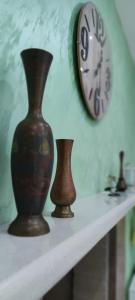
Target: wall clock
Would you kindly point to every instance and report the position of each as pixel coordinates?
(94, 60)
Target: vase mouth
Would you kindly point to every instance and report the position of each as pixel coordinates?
(65, 140)
(36, 51)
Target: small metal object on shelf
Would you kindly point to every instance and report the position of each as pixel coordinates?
(112, 186)
(121, 184)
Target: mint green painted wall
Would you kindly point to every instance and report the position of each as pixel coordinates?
(49, 25)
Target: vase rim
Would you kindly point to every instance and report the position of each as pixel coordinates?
(70, 140)
(36, 50)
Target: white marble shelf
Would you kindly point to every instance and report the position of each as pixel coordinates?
(29, 267)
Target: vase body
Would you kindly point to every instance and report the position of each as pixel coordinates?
(32, 151)
(121, 184)
(63, 192)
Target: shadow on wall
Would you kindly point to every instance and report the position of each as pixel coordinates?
(7, 108)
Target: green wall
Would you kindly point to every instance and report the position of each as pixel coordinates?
(50, 25)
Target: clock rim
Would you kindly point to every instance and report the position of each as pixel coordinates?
(100, 117)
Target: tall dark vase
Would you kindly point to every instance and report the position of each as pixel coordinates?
(63, 192)
(32, 151)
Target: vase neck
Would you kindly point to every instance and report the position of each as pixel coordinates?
(121, 156)
(36, 64)
(64, 149)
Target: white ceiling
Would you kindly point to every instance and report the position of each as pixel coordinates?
(126, 11)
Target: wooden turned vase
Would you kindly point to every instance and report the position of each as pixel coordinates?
(63, 192)
(32, 151)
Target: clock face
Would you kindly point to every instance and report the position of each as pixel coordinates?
(94, 60)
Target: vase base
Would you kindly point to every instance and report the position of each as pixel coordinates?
(62, 212)
(28, 226)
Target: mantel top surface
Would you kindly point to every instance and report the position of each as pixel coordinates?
(29, 267)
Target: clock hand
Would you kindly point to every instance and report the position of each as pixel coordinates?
(86, 71)
(98, 65)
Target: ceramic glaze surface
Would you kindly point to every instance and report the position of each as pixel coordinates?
(50, 25)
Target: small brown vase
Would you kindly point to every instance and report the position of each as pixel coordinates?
(121, 185)
(63, 192)
(32, 151)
